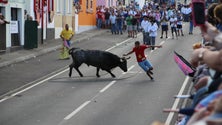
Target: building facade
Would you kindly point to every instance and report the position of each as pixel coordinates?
(56, 13)
(63, 14)
(12, 35)
(86, 17)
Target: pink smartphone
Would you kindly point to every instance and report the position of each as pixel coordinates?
(198, 12)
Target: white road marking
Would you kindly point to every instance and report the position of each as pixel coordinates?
(6, 98)
(118, 44)
(77, 110)
(162, 42)
(176, 102)
(106, 87)
(134, 72)
(38, 83)
(168, 38)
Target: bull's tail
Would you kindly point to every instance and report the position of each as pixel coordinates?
(72, 50)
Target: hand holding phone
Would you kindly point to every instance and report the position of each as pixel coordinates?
(198, 12)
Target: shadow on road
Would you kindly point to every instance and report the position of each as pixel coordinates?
(85, 79)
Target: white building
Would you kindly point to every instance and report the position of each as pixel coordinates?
(12, 35)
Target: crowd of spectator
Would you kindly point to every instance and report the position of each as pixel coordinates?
(148, 20)
(206, 98)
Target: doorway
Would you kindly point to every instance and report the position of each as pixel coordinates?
(15, 36)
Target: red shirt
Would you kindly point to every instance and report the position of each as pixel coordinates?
(140, 56)
(99, 14)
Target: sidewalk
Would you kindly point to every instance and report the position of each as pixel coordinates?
(48, 46)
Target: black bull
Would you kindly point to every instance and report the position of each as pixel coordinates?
(97, 58)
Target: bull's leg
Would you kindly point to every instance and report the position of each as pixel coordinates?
(77, 69)
(111, 73)
(76, 66)
(97, 72)
(70, 69)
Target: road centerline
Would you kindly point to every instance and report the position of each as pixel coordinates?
(77, 110)
(176, 102)
(106, 87)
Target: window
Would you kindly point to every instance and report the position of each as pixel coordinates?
(91, 4)
(87, 4)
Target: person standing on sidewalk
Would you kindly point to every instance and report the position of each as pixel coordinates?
(129, 25)
(141, 58)
(99, 14)
(145, 24)
(66, 36)
(107, 22)
(164, 26)
(173, 24)
(119, 23)
(152, 29)
(112, 19)
(134, 27)
(180, 24)
(191, 25)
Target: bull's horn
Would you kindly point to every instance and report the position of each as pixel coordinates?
(125, 58)
(128, 57)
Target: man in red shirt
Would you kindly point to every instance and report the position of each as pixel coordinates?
(99, 18)
(141, 58)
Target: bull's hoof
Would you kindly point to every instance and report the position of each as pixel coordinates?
(81, 75)
(98, 76)
(113, 76)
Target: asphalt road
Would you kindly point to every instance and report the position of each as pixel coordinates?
(129, 99)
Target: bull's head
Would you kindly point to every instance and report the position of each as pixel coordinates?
(123, 63)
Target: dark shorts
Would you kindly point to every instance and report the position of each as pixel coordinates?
(164, 27)
(173, 29)
(179, 26)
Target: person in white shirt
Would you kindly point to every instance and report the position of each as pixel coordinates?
(186, 11)
(132, 12)
(180, 24)
(173, 25)
(152, 29)
(145, 24)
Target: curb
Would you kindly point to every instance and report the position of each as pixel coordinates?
(45, 51)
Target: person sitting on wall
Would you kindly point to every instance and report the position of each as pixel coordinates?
(2, 20)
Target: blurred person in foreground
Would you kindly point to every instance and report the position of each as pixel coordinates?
(210, 115)
(212, 58)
